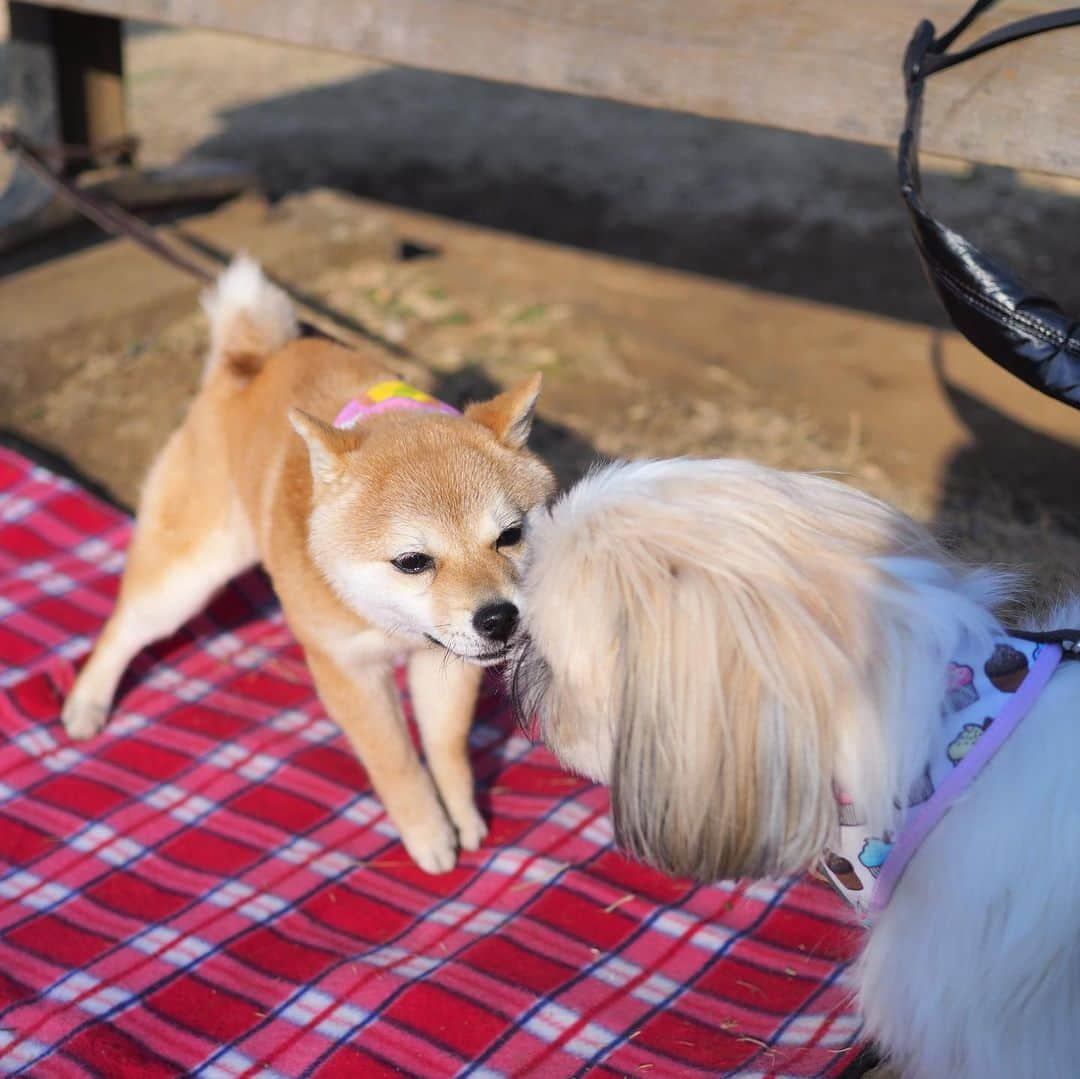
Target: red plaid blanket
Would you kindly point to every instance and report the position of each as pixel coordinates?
(210, 887)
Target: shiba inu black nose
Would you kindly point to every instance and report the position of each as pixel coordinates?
(496, 621)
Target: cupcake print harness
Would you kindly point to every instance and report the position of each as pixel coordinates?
(985, 700)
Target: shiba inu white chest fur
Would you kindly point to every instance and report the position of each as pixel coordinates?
(401, 534)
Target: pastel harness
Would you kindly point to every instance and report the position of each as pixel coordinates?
(390, 396)
(986, 699)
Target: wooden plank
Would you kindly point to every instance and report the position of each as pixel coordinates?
(828, 67)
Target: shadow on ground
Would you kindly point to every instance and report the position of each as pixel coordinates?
(809, 217)
(1029, 476)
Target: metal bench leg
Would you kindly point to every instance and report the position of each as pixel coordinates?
(67, 86)
(28, 205)
(89, 52)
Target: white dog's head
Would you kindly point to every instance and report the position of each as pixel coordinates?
(698, 635)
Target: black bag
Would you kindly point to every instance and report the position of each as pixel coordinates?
(1024, 331)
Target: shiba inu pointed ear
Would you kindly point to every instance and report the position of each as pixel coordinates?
(509, 415)
(326, 445)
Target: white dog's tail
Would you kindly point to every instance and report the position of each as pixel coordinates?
(250, 319)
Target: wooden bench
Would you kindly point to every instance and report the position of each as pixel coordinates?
(826, 67)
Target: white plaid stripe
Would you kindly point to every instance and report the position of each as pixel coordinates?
(656, 988)
(56, 584)
(616, 972)
(22, 1055)
(231, 1064)
(341, 1020)
(299, 851)
(259, 766)
(62, 760)
(192, 689)
(229, 893)
(306, 1007)
(106, 844)
(263, 907)
(94, 549)
(18, 884)
(551, 1021)
(590, 1040)
(363, 811)
(47, 894)
(333, 863)
(74, 647)
(289, 720)
(35, 742)
(320, 730)
(15, 508)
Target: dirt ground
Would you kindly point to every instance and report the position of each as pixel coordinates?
(763, 298)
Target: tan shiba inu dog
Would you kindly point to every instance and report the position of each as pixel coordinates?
(400, 534)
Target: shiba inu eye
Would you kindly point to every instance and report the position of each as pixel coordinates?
(413, 562)
(508, 537)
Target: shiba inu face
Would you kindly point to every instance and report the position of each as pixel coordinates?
(418, 522)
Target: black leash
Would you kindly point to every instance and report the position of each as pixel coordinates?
(106, 214)
(1067, 639)
(115, 220)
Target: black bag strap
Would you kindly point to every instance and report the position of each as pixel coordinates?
(1023, 330)
(1003, 35)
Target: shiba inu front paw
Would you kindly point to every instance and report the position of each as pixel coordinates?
(83, 719)
(433, 849)
(471, 829)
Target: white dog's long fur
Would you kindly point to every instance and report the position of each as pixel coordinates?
(724, 642)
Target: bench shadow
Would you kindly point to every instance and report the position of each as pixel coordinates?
(1030, 475)
(805, 216)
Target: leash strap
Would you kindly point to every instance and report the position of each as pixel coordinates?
(939, 60)
(114, 219)
(1067, 639)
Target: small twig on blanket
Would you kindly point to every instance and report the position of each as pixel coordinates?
(612, 907)
(764, 1046)
(290, 672)
(748, 985)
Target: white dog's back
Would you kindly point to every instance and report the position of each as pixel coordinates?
(981, 979)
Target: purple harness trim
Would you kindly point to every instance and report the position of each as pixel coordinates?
(925, 817)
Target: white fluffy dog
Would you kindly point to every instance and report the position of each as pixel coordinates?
(744, 655)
